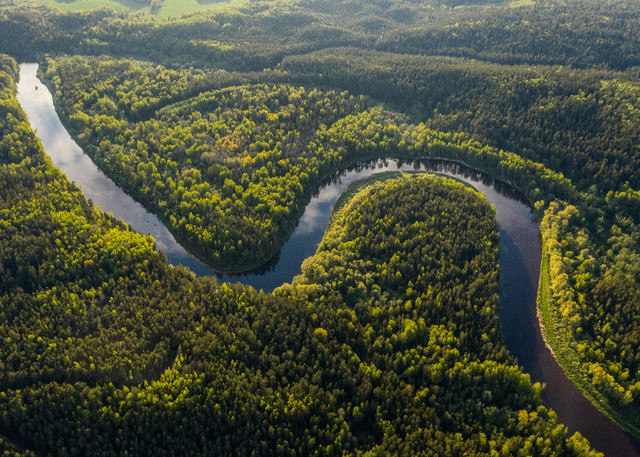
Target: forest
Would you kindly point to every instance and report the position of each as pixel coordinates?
(224, 123)
(107, 349)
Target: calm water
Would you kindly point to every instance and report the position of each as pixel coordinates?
(519, 254)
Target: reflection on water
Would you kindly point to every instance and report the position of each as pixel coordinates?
(519, 253)
(71, 159)
(313, 223)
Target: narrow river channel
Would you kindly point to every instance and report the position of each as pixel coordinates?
(520, 253)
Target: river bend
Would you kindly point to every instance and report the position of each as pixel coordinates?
(520, 253)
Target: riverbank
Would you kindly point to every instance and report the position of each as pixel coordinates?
(519, 259)
(557, 339)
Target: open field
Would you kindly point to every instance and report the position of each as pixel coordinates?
(169, 8)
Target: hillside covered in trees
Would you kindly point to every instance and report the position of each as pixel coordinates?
(225, 123)
(107, 349)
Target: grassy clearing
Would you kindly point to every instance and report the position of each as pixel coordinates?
(169, 8)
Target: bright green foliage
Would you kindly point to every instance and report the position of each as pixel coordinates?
(65, 276)
(228, 170)
(110, 351)
(555, 83)
(580, 33)
(384, 251)
(585, 123)
(157, 8)
(595, 306)
(214, 165)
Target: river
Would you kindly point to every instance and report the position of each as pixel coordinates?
(520, 253)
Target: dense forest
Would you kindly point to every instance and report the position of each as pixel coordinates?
(108, 350)
(225, 123)
(580, 33)
(188, 158)
(227, 169)
(584, 123)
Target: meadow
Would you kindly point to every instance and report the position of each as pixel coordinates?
(166, 9)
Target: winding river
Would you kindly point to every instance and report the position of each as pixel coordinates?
(520, 253)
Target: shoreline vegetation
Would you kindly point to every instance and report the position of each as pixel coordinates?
(347, 145)
(106, 348)
(332, 82)
(552, 331)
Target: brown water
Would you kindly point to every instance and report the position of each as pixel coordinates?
(520, 253)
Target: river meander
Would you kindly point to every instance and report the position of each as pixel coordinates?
(520, 253)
